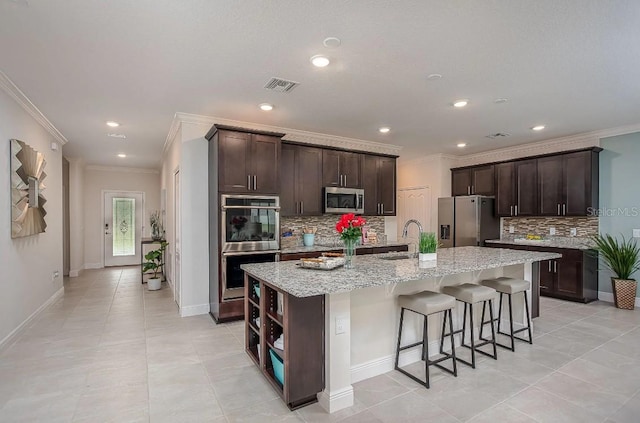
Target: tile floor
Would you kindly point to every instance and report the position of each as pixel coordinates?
(109, 350)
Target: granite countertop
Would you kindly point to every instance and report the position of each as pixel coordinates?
(576, 243)
(327, 247)
(371, 270)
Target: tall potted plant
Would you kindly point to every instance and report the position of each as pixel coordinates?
(154, 262)
(623, 259)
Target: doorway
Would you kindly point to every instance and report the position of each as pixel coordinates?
(177, 233)
(123, 227)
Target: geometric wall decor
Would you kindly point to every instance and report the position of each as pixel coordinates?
(27, 184)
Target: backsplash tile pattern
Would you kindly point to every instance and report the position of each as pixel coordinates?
(585, 226)
(326, 224)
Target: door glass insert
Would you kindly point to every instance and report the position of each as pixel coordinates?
(124, 226)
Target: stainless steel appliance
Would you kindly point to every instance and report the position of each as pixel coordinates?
(249, 233)
(343, 200)
(467, 220)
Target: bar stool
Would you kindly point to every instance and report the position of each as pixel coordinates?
(471, 294)
(427, 303)
(511, 286)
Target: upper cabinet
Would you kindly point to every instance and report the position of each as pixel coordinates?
(301, 173)
(563, 184)
(379, 183)
(248, 162)
(341, 169)
(477, 180)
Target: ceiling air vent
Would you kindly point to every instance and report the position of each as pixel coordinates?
(281, 85)
(498, 135)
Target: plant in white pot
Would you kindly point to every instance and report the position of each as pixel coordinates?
(623, 259)
(154, 262)
(427, 246)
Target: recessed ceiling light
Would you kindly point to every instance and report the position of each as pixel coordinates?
(434, 76)
(266, 107)
(460, 103)
(384, 129)
(462, 144)
(114, 135)
(538, 128)
(500, 100)
(320, 61)
(332, 42)
(121, 155)
(112, 124)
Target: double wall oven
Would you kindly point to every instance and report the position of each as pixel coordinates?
(250, 233)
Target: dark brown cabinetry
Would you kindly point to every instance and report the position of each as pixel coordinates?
(301, 181)
(477, 180)
(247, 162)
(516, 188)
(360, 252)
(379, 183)
(271, 313)
(573, 277)
(341, 169)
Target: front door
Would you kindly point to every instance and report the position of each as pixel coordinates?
(123, 223)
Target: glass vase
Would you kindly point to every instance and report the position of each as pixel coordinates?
(349, 252)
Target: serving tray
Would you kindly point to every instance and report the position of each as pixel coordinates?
(322, 263)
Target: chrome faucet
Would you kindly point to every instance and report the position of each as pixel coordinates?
(405, 232)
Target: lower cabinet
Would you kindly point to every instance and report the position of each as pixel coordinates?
(359, 252)
(573, 277)
(296, 369)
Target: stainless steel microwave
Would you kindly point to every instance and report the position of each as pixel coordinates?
(343, 200)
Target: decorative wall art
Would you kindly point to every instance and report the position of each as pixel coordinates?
(27, 202)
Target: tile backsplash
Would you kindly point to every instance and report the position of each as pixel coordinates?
(326, 225)
(585, 226)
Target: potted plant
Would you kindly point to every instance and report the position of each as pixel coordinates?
(623, 259)
(157, 231)
(427, 246)
(350, 229)
(154, 262)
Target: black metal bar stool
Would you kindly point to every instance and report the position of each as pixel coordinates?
(427, 303)
(470, 294)
(511, 286)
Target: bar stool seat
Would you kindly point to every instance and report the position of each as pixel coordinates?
(427, 303)
(471, 294)
(509, 287)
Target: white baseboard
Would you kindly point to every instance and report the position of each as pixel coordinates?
(75, 273)
(194, 310)
(608, 297)
(8, 340)
(93, 266)
(336, 401)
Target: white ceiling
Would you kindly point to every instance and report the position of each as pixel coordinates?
(572, 65)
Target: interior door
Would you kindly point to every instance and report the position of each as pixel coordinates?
(414, 203)
(177, 235)
(123, 224)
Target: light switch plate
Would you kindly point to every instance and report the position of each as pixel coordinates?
(636, 233)
(552, 231)
(341, 325)
(511, 229)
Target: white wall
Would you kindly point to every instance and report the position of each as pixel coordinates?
(170, 164)
(115, 179)
(28, 263)
(76, 216)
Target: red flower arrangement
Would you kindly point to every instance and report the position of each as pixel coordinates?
(350, 227)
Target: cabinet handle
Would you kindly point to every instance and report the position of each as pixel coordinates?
(558, 209)
(340, 184)
(511, 211)
(555, 266)
(549, 266)
(516, 208)
(473, 189)
(543, 287)
(248, 182)
(381, 208)
(564, 209)
(345, 180)
(301, 207)
(255, 182)
(468, 190)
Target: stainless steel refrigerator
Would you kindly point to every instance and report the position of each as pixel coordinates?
(467, 220)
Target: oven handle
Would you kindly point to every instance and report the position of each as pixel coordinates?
(251, 207)
(250, 253)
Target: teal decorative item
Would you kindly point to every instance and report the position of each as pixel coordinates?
(278, 367)
(308, 240)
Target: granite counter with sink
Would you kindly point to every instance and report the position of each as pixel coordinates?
(337, 247)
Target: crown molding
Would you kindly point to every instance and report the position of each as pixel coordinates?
(297, 135)
(14, 92)
(122, 169)
(428, 158)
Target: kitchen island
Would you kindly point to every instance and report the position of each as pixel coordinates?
(360, 311)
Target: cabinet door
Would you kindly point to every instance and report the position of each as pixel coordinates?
(483, 180)
(370, 185)
(547, 277)
(351, 169)
(577, 183)
(526, 187)
(387, 185)
(309, 180)
(288, 200)
(569, 274)
(266, 164)
(505, 198)
(331, 168)
(550, 186)
(234, 163)
(460, 182)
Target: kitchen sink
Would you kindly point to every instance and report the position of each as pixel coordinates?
(400, 257)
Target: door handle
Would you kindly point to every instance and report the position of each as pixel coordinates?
(248, 182)
(301, 207)
(564, 209)
(558, 209)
